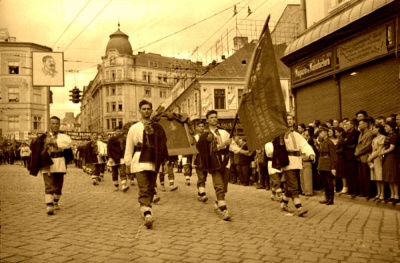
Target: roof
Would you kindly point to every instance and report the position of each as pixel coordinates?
(119, 41)
(336, 21)
(235, 66)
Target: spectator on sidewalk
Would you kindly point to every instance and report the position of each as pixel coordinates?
(340, 166)
(306, 174)
(262, 169)
(390, 161)
(244, 161)
(350, 161)
(51, 152)
(25, 152)
(327, 164)
(363, 149)
(234, 173)
(145, 151)
(375, 163)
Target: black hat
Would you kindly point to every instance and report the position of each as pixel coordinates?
(323, 127)
(363, 112)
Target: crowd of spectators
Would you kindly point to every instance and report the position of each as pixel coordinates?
(368, 158)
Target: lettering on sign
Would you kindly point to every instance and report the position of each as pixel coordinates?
(312, 67)
(362, 48)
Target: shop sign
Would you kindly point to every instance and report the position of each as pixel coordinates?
(363, 48)
(312, 67)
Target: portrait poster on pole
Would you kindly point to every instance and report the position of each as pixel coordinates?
(48, 69)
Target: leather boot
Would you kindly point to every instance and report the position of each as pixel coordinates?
(330, 201)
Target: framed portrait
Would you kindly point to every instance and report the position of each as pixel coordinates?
(48, 69)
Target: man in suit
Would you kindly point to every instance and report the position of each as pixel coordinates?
(363, 149)
(350, 161)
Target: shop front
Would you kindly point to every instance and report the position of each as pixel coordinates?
(358, 68)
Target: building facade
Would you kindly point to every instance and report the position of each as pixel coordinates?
(221, 88)
(24, 108)
(111, 99)
(347, 61)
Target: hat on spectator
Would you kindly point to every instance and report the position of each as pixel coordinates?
(363, 112)
(323, 127)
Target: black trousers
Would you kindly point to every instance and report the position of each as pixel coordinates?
(329, 188)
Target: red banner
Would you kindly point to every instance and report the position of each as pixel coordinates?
(262, 110)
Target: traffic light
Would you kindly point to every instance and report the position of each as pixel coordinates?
(75, 95)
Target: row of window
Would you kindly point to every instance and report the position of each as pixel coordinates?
(114, 91)
(113, 123)
(14, 123)
(13, 93)
(113, 106)
(220, 99)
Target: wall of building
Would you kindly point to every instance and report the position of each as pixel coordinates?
(24, 109)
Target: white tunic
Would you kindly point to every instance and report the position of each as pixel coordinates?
(295, 142)
(134, 137)
(59, 165)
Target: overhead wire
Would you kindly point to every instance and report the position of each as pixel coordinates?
(183, 29)
(65, 30)
(98, 13)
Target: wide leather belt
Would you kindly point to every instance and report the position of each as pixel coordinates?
(57, 155)
(294, 153)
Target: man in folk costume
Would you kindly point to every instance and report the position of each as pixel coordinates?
(51, 152)
(296, 145)
(212, 145)
(116, 152)
(145, 151)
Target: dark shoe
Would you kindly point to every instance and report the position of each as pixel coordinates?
(173, 187)
(330, 201)
(323, 201)
(156, 200)
(300, 212)
(50, 210)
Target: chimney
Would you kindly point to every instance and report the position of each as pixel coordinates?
(239, 42)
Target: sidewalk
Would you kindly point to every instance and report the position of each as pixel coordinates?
(96, 224)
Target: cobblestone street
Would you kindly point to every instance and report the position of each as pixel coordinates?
(96, 224)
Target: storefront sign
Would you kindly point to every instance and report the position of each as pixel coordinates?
(312, 67)
(363, 48)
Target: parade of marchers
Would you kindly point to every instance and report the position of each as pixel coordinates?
(357, 157)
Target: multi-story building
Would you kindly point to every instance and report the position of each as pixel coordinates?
(346, 60)
(111, 99)
(221, 87)
(24, 108)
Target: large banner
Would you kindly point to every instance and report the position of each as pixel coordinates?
(262, 110)
(359, 49)
(48, 69)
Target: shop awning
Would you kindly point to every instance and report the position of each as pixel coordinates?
(335, 22)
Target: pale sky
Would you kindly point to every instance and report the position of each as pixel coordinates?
(81, 29)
